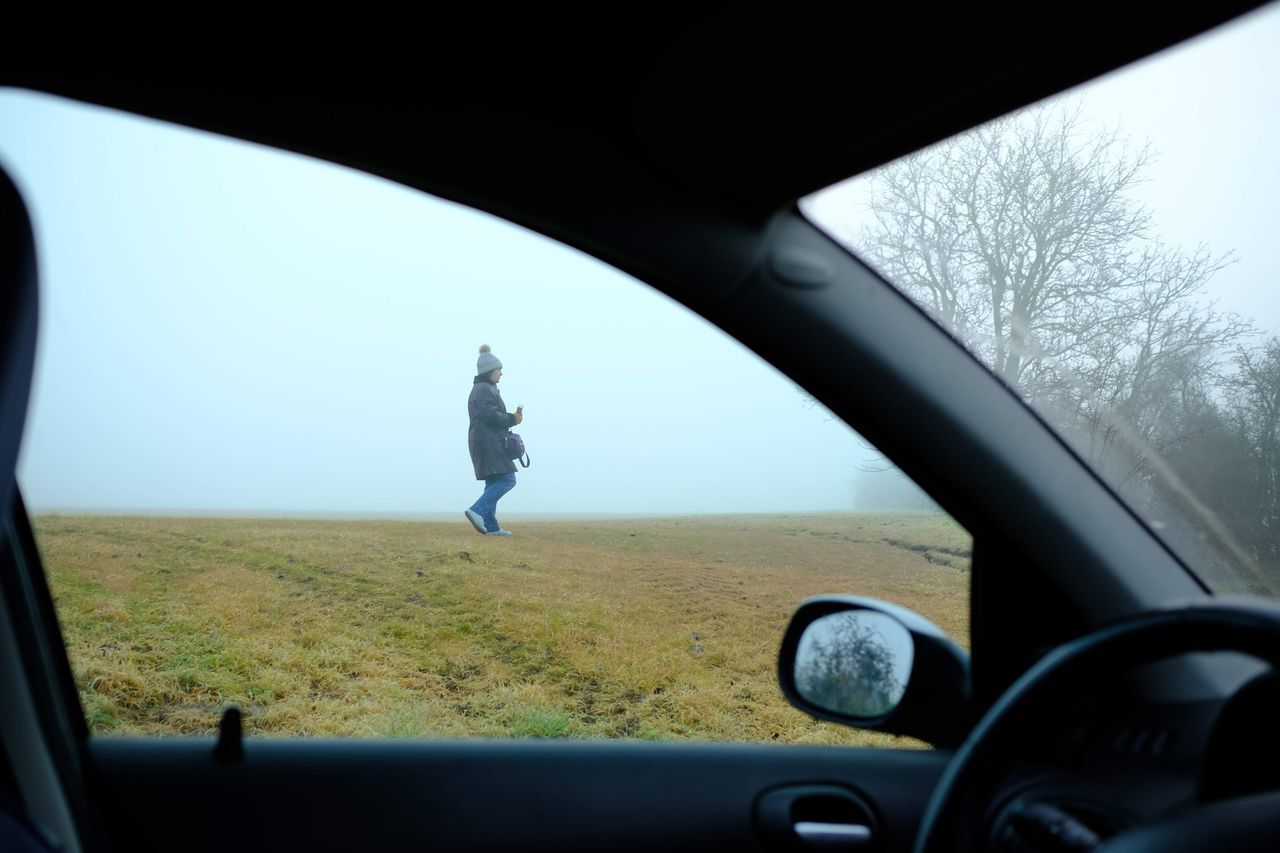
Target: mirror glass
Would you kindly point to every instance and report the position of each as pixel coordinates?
(855, 663)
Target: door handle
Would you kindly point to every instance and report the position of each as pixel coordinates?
(848, 836)
(815, 817)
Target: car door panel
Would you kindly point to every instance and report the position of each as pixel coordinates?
(174, 794)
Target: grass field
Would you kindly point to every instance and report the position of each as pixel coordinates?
(653, 628)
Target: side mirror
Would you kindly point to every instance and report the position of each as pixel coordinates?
(873, 665)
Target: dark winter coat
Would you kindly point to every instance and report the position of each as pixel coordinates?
(489, 424)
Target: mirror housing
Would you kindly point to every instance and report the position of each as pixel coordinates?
(930, 670)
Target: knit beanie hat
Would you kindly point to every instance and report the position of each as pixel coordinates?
(487, 363)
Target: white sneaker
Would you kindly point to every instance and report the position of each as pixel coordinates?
(476, 521)
(498, 532)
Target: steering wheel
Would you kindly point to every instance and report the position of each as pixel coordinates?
(953, 820)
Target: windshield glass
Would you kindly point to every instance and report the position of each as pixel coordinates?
(1110, 255)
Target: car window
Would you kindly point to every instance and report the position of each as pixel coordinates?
(256, 477)
(1109, 254)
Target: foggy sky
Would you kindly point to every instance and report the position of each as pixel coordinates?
(228, 327)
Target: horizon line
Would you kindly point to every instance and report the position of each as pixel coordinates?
(393, 515)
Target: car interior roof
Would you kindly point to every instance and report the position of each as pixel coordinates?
(733, 109)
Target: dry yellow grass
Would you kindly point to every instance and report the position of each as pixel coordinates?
(655, 628)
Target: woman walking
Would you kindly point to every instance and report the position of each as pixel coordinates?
(490, 421)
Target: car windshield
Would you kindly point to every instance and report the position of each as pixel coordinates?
(1109, 254)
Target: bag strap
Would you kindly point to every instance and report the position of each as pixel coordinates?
(523, 460)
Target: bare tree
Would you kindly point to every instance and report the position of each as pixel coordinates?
(1154, 368)
(1014, 235)
(1024, 239)
(1255, 395)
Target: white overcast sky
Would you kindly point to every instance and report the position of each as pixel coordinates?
(232, 328)
(226, 327)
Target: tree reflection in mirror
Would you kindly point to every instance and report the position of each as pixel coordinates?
(854, 663)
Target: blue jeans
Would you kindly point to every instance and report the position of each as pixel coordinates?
(487, 504)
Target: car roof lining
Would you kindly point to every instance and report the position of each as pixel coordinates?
(735, 108)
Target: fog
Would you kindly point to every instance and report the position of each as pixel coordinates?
(229, 328)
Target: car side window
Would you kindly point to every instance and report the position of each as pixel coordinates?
(266, 464)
